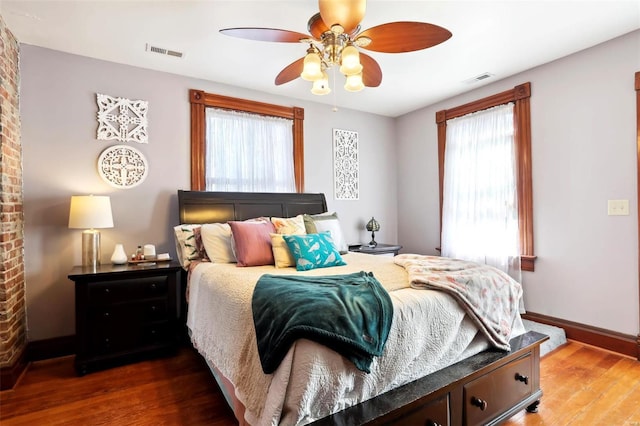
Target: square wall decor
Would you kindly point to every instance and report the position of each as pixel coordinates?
(345, 165)
(122, 119)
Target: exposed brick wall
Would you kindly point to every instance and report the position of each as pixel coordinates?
(12, 294)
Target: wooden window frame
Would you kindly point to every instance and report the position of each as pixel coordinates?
(200, 100)
(520, 96)
(637, 88)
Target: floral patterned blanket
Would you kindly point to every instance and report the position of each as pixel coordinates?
(488, 295)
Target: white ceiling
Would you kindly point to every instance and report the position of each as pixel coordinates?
(499, 37)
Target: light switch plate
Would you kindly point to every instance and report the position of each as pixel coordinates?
(618, 207)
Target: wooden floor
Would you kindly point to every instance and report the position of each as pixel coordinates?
(582, 385)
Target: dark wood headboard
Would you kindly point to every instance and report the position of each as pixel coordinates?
(212, 207)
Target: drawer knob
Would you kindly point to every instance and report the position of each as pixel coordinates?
(153, 286)
(432, 423)
(106, 290)
(480, 403)
(523, 379)
(153, 308)
(106, 314)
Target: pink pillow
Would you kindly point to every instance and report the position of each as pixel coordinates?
(252, 242)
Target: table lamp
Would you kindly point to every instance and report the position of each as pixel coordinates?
(373, 226)
(89, 212)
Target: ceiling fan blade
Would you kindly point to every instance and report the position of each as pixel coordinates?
(398, 37)
(316, 26)
(371, 72)
(265, 34)
(347, 13)
(290, 72)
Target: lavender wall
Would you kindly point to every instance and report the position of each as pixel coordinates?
(58, 111)
(583, 113)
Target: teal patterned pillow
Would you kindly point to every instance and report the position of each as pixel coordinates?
(313, 251)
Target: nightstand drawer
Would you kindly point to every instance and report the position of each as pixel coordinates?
(123, 314)
(105, 292)
(112, 339)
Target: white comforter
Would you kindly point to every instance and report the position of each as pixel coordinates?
(429, 332)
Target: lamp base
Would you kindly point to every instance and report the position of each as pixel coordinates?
(91, 248)
(373, 242)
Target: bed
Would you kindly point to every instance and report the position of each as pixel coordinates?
(436, 367)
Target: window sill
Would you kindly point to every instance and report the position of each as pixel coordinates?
(527, 263)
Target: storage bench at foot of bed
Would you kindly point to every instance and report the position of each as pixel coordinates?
(486, 388)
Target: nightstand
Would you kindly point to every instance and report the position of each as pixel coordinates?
(125, 313)
(380, 249)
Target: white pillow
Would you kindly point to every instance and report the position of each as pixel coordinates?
(324, 222)
(216, 238)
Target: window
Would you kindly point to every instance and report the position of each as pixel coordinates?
(522, 139)
(248, 152)
(201, 102)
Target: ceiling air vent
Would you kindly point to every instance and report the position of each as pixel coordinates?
(163, 51)
(483, 76)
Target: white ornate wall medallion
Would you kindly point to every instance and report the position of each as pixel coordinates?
(122, 166)
(345, 165)
(122, 119)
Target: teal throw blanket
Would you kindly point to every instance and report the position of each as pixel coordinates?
(350, 314)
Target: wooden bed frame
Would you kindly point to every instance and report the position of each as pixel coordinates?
(486, 388)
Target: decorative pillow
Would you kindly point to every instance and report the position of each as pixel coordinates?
(216, 238)
(327, 222)
(281, 253)
(313, 251)
(289, 225)
(189, 245)
(252, 242)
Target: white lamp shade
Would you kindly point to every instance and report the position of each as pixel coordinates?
(350, 64)
(354, 83)
(312, 69)
(321, 86)
(90, 211)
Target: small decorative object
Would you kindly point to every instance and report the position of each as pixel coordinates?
(139, 254)
(119, 256)
(122, 119)
(122, 166)
(90, 212)
(149, 251)
(345, 164)
(373, 226)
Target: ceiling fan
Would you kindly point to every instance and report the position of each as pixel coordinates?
(334, 38)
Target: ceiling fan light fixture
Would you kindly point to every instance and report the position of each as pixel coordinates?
(354, 83)
(312, 68)
(335, 40)
(350, 63)
(321, 85)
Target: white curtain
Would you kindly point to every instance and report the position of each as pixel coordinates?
(480, 207)
(248, 152)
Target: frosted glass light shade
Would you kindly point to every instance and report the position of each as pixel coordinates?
(350, 64)
(90, 211)
(312, 69)
(354, 83)
(321, 86)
